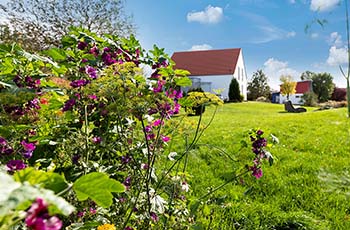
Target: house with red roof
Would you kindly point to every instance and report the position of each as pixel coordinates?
(301, 88)
(213, 70)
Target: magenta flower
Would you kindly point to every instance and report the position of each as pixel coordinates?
(79, 83)
(38, 217)
(28, 146)
(91, 71)
(68, 105)
(165, 138)
(257, 172)
(92, 97)
(82, 45)
(3, 141)
(96, 140)
(158, 122)
(15, 165)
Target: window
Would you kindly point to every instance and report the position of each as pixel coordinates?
(242, 73)
(239, 72)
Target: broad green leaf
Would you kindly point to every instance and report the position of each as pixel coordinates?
(183, 81)
(97, 186)
(48, 180)
(182, 72)
(56, 54)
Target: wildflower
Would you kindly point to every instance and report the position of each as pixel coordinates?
(69, 105)
(126, 159)
(158, 122)
(91, 71)
(129, 228)
(82, 45)
(96, 140)
(106, 227)
(79, 83)
(154, 217)
(2, 141)
(185, 186)
(44, 101)
(165, 138)
(15, 165)
(94, 50)
(172, 155)
(38, 217)
(92, 97)
(256, 171)
(75, 158)
(28, 149)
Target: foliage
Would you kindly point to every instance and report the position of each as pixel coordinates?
(322, 85)
(39, 24)
(258, 86)
(196, 101)
(310, 99)
(234, 92)
(339, 94)
(81, 123)
(307, 75)
(288, 85)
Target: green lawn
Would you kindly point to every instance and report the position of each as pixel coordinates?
(290, 195)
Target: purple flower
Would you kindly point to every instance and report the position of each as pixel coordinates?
(94, 50)
(259, 132)
(69, 105)
(158, 122)
(96, 140)
(3, 141)
(91, 71)
(15, 165)
(75, 158)
(79, 83)
(38, 217)
(126, 159)
(154, 217)
(127, 182)
(148, 129)
(92, 97)
(28, 146)
(82, 45)
(257, 172)
(128, 228)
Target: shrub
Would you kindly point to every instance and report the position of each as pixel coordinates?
(310, 99)
(339, 94)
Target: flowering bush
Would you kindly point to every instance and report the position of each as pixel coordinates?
(81, 122)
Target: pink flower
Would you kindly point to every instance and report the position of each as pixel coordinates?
(165, 138)
(158, 122)
(38, 217)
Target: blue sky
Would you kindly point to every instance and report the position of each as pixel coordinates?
(271, 33)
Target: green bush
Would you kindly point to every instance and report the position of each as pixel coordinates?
(310, 99)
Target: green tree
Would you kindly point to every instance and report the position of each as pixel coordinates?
(234, 92)
(307, 75)
(258, 86)
(39, 24)
(323, 86)
(288, 85)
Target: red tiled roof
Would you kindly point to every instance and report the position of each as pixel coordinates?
(207, 62)
(303, 86)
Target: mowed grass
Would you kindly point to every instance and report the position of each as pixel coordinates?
(290, 195)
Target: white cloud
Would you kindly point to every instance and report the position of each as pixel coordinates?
(337, 56)
(201, 47)
(335, 39)
(210, 15)
(274, 69)
(292, 1)
(323, 5)
(314, 35)
(291, 34)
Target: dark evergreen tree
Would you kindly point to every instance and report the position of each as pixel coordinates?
(234, 92)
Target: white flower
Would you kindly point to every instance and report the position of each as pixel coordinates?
(172, 155)
(157, 202)
(185, 187)
(275, 139)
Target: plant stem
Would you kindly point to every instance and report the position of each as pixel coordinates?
(86, 135)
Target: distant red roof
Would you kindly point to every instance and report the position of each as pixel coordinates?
(207, 62)
(303, 86)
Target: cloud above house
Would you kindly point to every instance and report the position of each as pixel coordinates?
(323, 5)
(201, 47)
(211, 15)
(274, 69)
(338, 54)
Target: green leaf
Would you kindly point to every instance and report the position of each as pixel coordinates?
(97, 186)
(182, 72)
(56, 54)
(183, 81)
(17, 196)
(48, 180)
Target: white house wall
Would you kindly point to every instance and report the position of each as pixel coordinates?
(218, 82)
(241, 75)
(295, 99)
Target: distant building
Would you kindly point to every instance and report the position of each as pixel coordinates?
(301, 88)
(213, 70)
